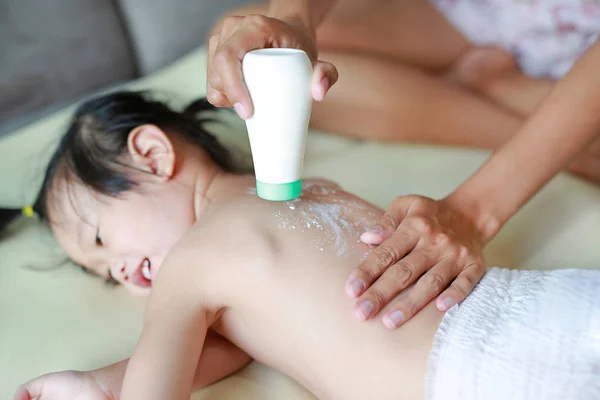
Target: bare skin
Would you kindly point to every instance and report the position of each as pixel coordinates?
(233, 278)
(297, 254)
(236, 278)
(292, 259)
(400, 62)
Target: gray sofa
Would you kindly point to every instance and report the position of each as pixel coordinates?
(55, 51)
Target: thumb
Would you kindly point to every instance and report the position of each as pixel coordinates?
(386, 225)
(325, 75)
(23, 393)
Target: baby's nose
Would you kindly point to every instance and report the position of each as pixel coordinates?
(119, 271)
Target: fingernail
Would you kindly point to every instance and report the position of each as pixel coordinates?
(364, 310)
(325, 83)
(376, 230)
(356, 287)
(241, 110)
(372, 236)
(393, 319)
(447, 303)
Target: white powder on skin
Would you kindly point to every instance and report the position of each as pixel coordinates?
(333, 217)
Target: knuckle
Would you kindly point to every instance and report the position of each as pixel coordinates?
(400, 200)
(403, 272)
(463, 252)
(366, 273)
(230, 20)
(377, 298)
(414, 198)
(385, 256)
(443, 239)
(454, 252)
(257, 20)
(409, 306)
(421, 202)
(423, 224)
(461, 290)
(389, 220)
(464, 285)
(223, 55)
(479, 263)
(435, 283)
(469, 282)
(214, 80)
(214, 97)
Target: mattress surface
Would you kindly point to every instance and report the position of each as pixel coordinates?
(54, 317)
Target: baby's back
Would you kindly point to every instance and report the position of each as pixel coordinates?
(288, 308)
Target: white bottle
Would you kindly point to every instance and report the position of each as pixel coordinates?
(279, 83)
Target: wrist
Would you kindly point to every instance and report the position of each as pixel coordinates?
(110, 379)
(308, 13)
(485, 218)
(299, 15)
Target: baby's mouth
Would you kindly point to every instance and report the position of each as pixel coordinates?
(142, 276)
(146, 269)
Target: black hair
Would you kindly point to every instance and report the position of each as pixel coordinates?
(93, 146)
(95, 142)
(7, 215)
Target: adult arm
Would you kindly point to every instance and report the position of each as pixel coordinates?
(437, 243)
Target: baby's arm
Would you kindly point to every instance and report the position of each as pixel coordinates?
(220, 358)
(175, 328)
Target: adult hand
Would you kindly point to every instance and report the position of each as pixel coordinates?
(235, 36)
(421, 241)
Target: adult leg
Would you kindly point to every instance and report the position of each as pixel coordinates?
(381, 99)
(411, 31)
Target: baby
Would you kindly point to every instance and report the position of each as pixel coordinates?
(144, 195)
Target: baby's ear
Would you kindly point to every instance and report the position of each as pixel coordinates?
(151, 150)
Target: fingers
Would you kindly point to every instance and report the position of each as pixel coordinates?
(325, 75)
(229, 64)
(427, 287)
(461, 287)
(215, 93)
(30, 390)
(389, 222)
(395, 279)
(237, 37)
(379, 260)
(375, 236)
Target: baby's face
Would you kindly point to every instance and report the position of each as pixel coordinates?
(125, 237)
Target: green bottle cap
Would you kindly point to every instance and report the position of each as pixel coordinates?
(279, 191)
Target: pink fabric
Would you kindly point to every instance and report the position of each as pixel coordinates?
(546, 36)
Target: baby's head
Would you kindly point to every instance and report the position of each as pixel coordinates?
(123, 186)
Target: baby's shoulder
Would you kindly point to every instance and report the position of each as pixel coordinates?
(219, 249)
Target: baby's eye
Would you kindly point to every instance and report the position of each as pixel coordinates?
(98, 238)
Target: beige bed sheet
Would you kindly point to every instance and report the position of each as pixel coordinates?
(54, 317)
